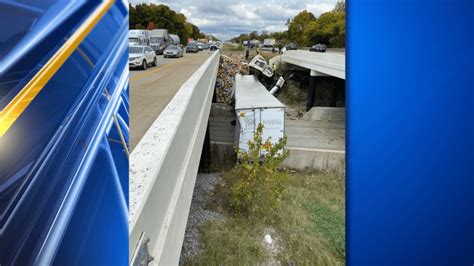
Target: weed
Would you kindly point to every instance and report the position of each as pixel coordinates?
(255, 185)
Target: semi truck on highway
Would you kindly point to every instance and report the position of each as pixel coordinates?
(159, 40)
(141, 37)
(269, 43)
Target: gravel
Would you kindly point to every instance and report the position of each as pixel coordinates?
(199, 214)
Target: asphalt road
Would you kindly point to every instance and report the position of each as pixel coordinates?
(151, 90)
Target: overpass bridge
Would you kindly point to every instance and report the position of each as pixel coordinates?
(320, 64)
(164, 163)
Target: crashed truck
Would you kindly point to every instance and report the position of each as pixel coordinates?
(254, 104)
(265, 74)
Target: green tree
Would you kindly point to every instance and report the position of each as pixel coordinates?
(298, 24)
(306, 30)
(329, 28)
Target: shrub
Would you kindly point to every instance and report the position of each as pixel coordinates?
(255, 184)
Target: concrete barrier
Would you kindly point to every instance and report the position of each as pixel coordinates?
(317, 141)
(163, 169)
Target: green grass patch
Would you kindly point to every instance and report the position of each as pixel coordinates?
(233, 48)
(231, 242)
(310, 225)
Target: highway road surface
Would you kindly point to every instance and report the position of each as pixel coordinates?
(151, 90)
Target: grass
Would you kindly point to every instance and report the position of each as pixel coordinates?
(233, 48)
(268, 55)
(310, 225)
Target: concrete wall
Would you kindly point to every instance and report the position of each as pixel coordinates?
(315, 159)
(325, 114)
(164, 165)
(317, 141)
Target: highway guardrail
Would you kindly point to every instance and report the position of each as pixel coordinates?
(163, 170)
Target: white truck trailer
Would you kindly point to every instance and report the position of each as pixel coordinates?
(174, 39)
(269, 43)
(254, 104)
(141, 37)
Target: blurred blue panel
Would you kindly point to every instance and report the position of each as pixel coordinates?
(410, 150)
(63, 165)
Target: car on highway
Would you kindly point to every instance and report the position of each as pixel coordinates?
(318, 48)
(213, 47)
(173, 51)
(200, 47)
(192, 48)
(291, 46)
(206, 46)
(141, 56)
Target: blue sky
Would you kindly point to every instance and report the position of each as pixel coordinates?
(228, 18)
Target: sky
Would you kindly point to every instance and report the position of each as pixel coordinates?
(226, 19)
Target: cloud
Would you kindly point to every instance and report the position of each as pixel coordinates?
(228, 18)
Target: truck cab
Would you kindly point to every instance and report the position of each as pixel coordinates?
(159, 40)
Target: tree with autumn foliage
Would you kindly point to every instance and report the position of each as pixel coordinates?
(306, 30)
(151, 16)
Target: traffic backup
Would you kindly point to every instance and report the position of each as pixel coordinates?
(141, 56)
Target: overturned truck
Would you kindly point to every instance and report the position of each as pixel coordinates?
(254, 104)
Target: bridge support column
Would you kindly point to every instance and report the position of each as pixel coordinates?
(311, 90)
(313, 78)
(339, 86)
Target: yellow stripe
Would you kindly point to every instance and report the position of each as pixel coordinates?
(15, 108)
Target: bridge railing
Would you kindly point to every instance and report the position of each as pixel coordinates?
(163, 169)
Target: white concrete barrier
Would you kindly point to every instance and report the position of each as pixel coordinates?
(164, 165)
(332, 64)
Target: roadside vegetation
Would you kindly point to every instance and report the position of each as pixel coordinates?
(309, 225)
(302, 211)
(232, 48)
(306, 30)
(152, 16)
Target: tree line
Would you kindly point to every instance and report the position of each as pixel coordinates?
(151, 16)
(306, 30)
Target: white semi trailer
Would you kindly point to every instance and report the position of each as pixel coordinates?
(141, 37)
(174, 39)
(269, 43)
(254, 104)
